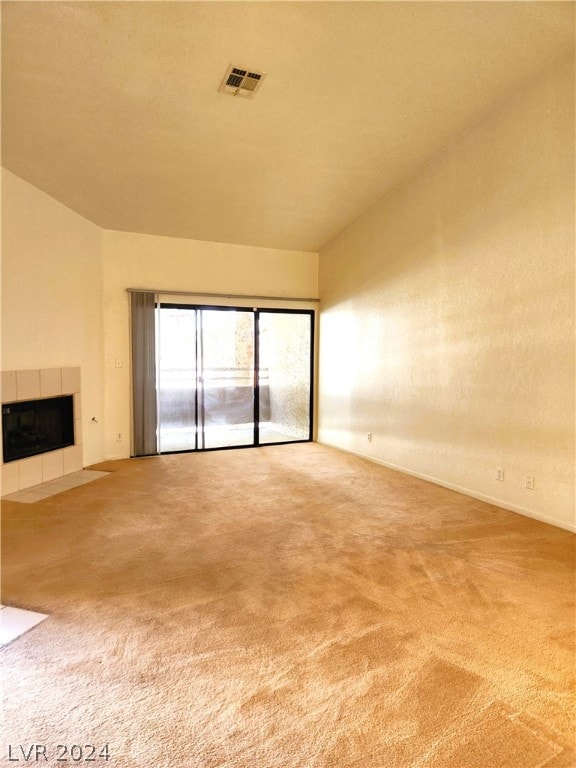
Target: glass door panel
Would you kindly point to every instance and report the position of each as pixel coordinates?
(285, 386)
(226, 377)
(177, 374)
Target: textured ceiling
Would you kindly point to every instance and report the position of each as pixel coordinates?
(113, 107)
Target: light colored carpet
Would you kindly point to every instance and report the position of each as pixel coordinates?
(288, 607)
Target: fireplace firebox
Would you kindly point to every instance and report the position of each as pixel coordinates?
(31, 427)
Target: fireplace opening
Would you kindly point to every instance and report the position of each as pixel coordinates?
(37, 426)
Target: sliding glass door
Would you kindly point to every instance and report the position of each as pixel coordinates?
(284, 375)
(177, 379)
(226, 381)
(232, 376)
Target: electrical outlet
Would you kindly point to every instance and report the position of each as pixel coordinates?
(369, 436)
(500, 475)
(529, 482)
(119, 437)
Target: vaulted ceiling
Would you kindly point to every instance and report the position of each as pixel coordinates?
(113, 107)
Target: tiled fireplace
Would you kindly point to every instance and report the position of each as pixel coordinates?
(21, 386)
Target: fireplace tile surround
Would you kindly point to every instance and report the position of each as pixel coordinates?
(33, 385)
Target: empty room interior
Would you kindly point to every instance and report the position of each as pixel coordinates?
(288, 384)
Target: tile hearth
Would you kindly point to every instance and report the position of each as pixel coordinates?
(45, 490)
(16, 621)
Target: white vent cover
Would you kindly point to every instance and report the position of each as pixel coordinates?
(240, 81)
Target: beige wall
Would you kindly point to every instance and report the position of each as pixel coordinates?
(146, 261)
(52, 296)
(448, 313)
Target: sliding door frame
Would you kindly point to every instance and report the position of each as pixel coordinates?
(310, 313)
(256, 311)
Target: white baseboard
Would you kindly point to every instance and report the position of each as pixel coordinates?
(460, 489)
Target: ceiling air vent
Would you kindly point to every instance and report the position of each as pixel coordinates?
(240, 81)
